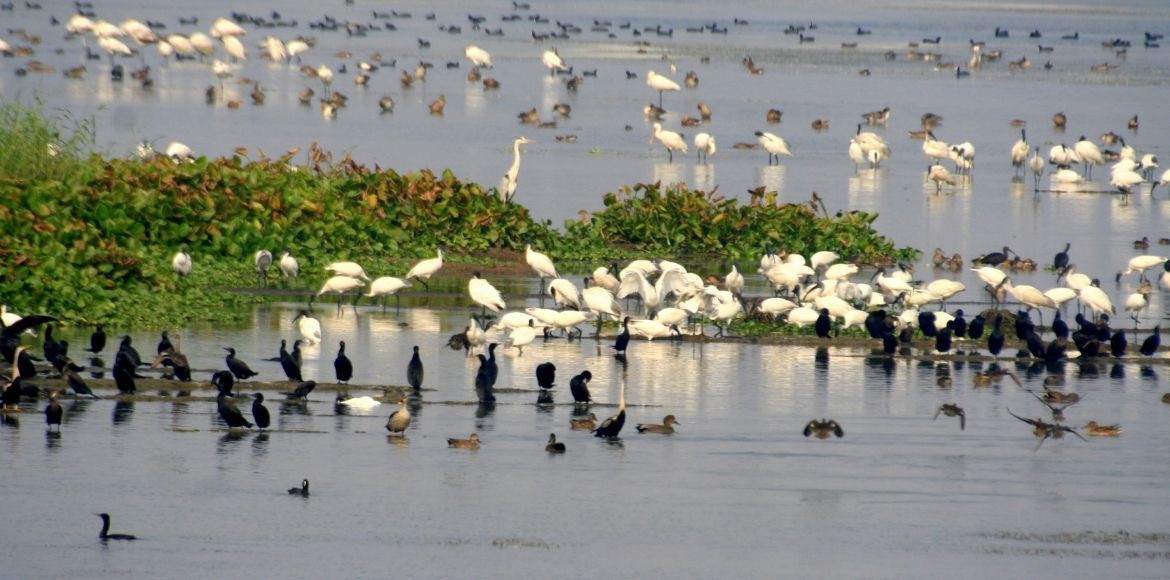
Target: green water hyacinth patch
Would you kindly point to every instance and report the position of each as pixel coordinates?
(90, 239)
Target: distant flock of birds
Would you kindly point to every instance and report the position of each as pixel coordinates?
(225, 36)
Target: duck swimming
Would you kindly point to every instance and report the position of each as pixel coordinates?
(1092, 428)
(666, 428)
(105, 533)
(823, 428)
(302, 491)
(590, 422)
(553, 446)
(471, 442)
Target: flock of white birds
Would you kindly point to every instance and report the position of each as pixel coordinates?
(671, 298)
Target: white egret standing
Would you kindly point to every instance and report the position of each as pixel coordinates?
(202, 43)
(1142, 263)
(660, 84)
(671, 140)
(234, 48)
(856, 154)
(1029, 296)
(774, 145)
(1020, 152)
(295, 48)
(705, 145)
(275, 49)
(387, 286)
(423, 270)
(522, 337)
(507, 187)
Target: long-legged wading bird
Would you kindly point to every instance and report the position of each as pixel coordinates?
(507, 186)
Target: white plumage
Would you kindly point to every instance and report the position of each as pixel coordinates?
(704, 145)
(478, 56)
(669, 139)
(507, 187)
(774, 145)
(351, 269)
(483, 293)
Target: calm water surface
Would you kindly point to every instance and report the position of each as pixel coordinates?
(737, 488)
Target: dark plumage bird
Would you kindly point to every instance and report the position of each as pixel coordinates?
(260, 413)
(54, 413)
(942, 340)
(553, 445)
(1024, 325)
(178, 364)
(342, 366)
(623, 339)
(889, 344)
(127, 347)
(229, 413)
(302, 491)
(824, 324)
(239, 368)
(1045, 430)
(491, 361)
(823, 428)
(97, 340)
(953, 410)
(612, 427)
(414, 370)
(875, 324)
(1059, 326)
(224, 382)
(164, 343)
(1060, 260)
(288, 362)
(53, 348)
(926, 324)
(975, 329)
(579, 386)
(1035, 345)
(995, 341)
(546, 374)
(105, 533)
(1151, 343)
(302, 391)
(75, 381)
(484, 382)
(24, 364)
(1118, 344)
(124, 375)
(959, 330)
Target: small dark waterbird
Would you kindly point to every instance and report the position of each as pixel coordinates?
(260, 413)
(554, 446)
(302, 491)
(342, 366)
(823, 428)
(546, 374)
(105, 533)
(953, 410)
(414, 370)
(54, 413)
(230, 414)
(239, 369)
(612, 427)
(579, 386)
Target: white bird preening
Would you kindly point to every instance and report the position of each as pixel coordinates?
(387, 286)
(872, 147)
(1029, 296)
(181, 262)
(507, 187)
(540, 263)
(308, 327)
(939, 175)
(179, 152)
(479, 57)
(669, 139)
(423, 270)
(774, 145)
(705, 145)
(552, 60)
(1020, 151)
(660, 83)
(522, 337)
(289, 267)
(1163, 181)
(483, 293)
(1089, 154)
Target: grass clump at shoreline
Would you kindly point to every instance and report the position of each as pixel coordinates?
(89, 239)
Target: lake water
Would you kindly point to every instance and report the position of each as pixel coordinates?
(737, 489)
